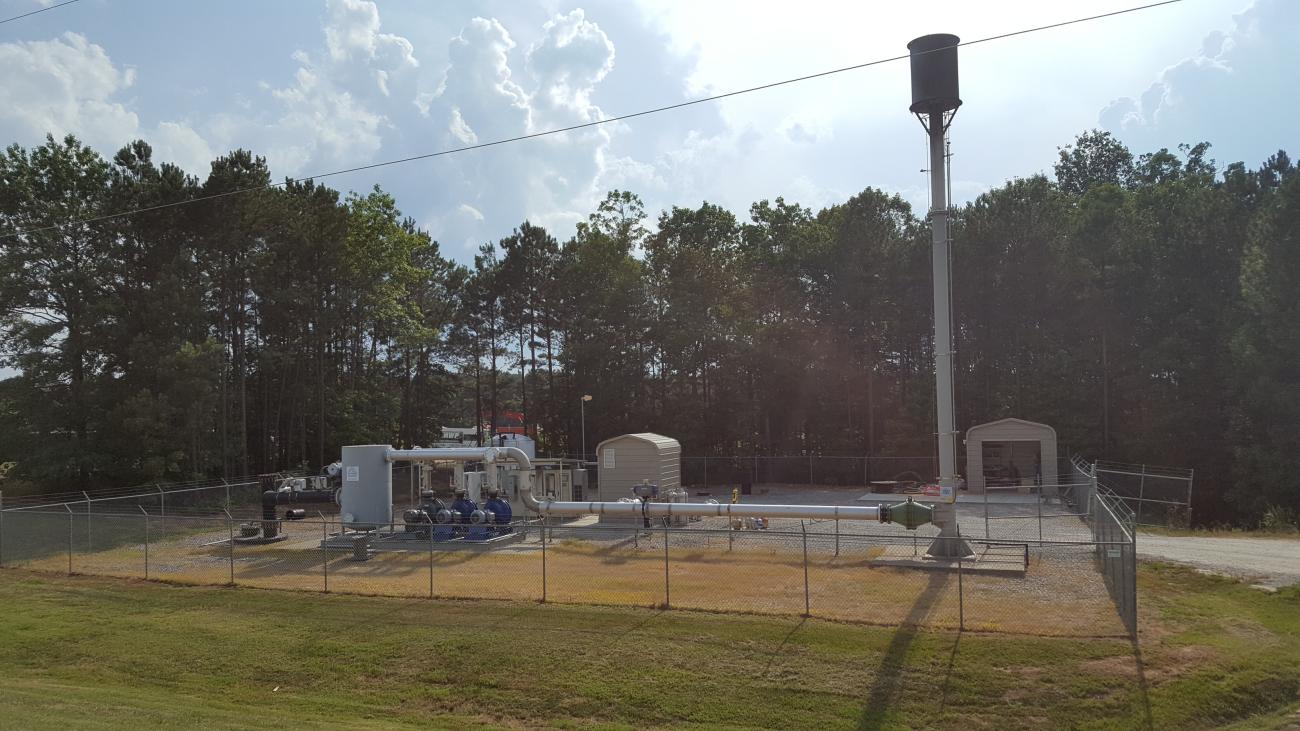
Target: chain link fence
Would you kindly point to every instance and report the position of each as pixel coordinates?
(1114, 529)
(805, 470)
(843, 570)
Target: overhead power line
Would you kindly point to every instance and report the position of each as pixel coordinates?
(34, 12)
(584, 125)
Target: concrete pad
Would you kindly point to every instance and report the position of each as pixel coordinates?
(997, 560)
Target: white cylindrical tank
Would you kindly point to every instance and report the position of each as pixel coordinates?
(366, 500)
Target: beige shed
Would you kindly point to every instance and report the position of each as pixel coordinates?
(1010, 453)
(626, 460)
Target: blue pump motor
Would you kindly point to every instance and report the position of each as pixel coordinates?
(502, 514)
(464, 507)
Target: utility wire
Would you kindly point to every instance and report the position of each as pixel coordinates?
(34, 12)
(584, 125)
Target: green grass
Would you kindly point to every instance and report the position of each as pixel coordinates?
(1219, 532)
(86, 652)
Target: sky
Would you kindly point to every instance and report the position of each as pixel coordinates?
(319, 85)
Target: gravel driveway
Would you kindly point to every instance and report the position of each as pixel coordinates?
(1266, 561)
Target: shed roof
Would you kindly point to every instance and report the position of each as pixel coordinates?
(660, 441)
(1009, 422)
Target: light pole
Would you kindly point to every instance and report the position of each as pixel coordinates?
(582, 405)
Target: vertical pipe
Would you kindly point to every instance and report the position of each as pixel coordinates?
(2, 527)
(837, 537)
(146, 541)
(1191, 475)
(810, 470)
(227, 484)
(667, 596)
(946, 431)
(807, 601)
(543, 559)
(431, 560)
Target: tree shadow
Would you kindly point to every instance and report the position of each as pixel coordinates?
(889, 675)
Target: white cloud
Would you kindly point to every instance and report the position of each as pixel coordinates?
(69, 85)
(553, 181)
(1219, 94)
(64, 86)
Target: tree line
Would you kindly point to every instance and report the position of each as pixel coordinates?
(1142, 304)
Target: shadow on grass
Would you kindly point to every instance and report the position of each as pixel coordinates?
(888, 686)
(1145, 698)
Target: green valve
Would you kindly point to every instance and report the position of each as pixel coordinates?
(910, 515)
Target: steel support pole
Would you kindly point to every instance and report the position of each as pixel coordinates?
(543, 559)
(942, 304)
(837, 537)
(430, 560)
(2, 527)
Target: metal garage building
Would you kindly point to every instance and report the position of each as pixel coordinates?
(626, 460)
(1010, 453)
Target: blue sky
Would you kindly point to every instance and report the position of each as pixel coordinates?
(316, 85)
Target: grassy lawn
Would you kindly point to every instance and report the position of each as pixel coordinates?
(88, 652)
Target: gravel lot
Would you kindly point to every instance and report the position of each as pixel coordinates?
(1273, 562)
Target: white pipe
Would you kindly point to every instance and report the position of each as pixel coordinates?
(730, 510)
(549, 507)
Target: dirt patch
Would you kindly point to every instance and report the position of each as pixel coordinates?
(1158, 667)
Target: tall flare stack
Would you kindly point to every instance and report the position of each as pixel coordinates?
(935, 100)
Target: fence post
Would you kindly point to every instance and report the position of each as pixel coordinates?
(162, 507)
(324, 548)
(1142, 488)
(1133, 594)
(1040, 518)
(837, 537)
(961, 597)
(810, 469)
(65, 507)
(2, 527)
(230, 524)
(667, 596)
(430, 560)
(146, 541)
(227, 484)
(543, 559)
(807, 601)
(87, 496)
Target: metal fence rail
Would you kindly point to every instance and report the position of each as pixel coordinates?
(793, 568)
